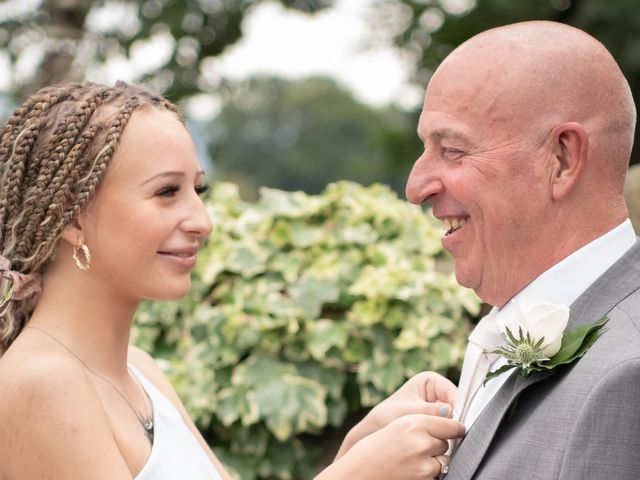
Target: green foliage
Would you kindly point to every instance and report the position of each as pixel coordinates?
(304, 309)
(303, 135)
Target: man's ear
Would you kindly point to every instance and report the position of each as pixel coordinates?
(569, 158)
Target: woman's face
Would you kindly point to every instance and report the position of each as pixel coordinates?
(147, 220)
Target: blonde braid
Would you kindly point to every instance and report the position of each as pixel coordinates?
(55, 171)
(11, 172)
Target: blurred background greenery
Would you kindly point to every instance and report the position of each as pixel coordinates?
(307, 308)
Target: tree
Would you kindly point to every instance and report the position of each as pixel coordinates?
(430, 29)
(71, 37)
(303, 135)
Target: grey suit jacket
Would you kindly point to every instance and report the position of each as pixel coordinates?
(581, 422)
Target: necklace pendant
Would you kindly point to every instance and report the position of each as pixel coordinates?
(148, 429)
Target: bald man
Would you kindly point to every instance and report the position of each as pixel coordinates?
(527, 133)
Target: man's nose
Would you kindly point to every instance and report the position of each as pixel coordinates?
(424, 182)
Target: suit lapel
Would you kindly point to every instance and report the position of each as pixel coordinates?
(611, 288)
(471, 451)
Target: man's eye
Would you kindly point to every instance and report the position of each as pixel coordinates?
(451, 152)
(169, 191)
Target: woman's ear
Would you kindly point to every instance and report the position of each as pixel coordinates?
(570, 151)
(73, 233)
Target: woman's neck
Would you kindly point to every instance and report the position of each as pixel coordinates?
(90, 319)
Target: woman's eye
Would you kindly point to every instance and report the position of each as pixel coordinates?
(202, 189)
(168, 191)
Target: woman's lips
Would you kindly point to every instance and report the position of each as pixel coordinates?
(184, 259)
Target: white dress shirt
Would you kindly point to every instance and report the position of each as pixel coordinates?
(562, 284)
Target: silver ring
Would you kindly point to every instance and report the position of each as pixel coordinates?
(444, 468)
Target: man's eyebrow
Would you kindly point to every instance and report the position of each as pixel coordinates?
(442, 133)
(168, 174)
(445, 132)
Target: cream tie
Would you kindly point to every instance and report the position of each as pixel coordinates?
(484, 338)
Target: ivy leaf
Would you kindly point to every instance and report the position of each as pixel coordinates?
(326, 334)
(310, 294)
(234, 404)
(291, 404)
(258, 369)
(246, 261)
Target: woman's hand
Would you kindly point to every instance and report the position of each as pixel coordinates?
(426, 393)
(409, 447)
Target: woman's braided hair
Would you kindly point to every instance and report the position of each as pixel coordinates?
(54, 151)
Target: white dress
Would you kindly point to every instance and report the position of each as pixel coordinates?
(175, 454)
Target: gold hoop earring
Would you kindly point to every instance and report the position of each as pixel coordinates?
(85, 262)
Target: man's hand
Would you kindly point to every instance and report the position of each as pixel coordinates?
(426, 393)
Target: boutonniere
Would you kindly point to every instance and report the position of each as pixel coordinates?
(536, 341)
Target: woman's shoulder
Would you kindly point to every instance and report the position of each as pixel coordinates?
(37, 382)
(49, 409)
(32, 374)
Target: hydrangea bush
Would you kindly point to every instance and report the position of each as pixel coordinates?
(305, 310)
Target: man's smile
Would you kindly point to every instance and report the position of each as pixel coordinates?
(452, 224)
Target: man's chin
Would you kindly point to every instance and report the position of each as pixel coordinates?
(471, 279)
(465, 275)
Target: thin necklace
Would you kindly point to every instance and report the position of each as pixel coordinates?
(145, 420)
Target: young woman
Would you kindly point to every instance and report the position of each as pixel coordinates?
(100, 209)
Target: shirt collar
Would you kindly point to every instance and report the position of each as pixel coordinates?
(564, 282)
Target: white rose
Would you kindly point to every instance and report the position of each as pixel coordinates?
(540, 320)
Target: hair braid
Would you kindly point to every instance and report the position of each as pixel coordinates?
(62, 190)
(54, 152)
(34, 107)
(55, 172)
(13, 177)
(28, 114)
(90, 181)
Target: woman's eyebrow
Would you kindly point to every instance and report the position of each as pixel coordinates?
(170, 173)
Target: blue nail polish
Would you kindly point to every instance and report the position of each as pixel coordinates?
(443, 411)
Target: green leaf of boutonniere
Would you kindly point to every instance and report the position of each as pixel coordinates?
(500, 371)
(575, 344)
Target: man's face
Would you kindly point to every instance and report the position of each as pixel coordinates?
(485, 178)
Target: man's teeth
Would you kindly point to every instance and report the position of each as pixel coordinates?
(452, 224)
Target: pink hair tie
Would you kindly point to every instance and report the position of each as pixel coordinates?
(15, 285)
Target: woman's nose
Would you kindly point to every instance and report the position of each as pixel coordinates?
(198, 222)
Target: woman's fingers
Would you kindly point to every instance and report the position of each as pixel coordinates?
(437, 409)
(441, 466)
(442, 428)
(439, 389)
